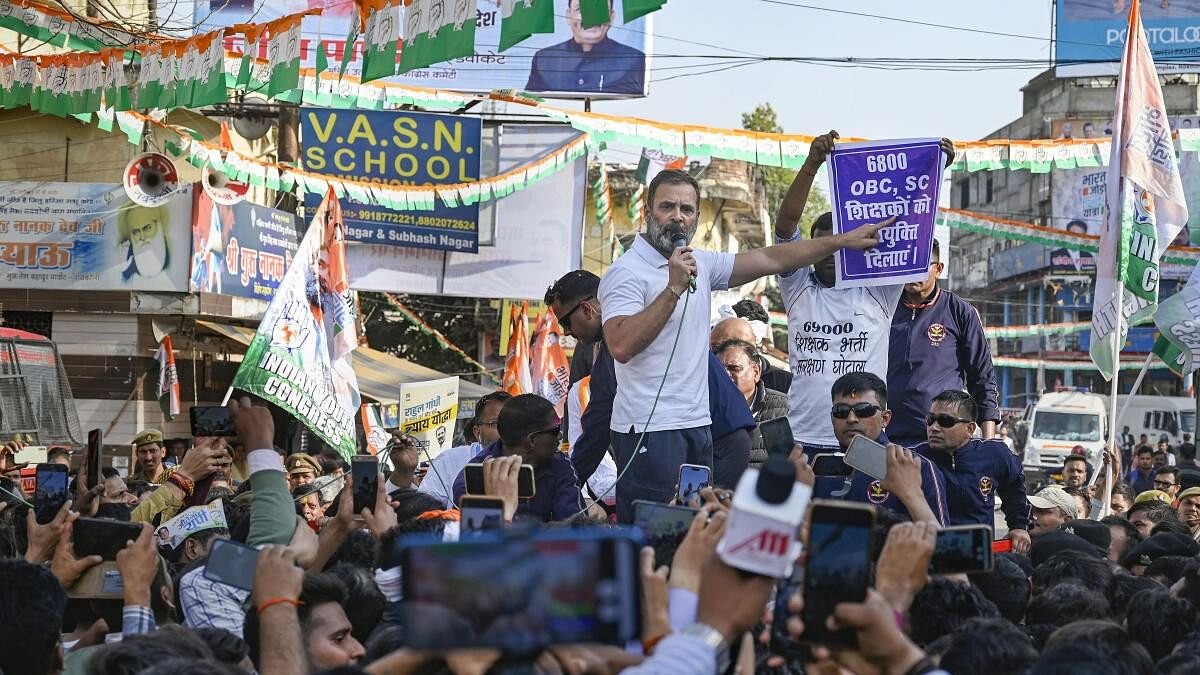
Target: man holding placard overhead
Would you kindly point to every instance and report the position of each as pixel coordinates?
(838, 326)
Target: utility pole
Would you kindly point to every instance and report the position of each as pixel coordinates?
(289, 150)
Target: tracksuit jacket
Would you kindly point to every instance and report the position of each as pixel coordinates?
(974, 475)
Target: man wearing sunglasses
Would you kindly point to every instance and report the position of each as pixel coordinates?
(975, 470)
(530, 428)
(937, 343)
(860, 408)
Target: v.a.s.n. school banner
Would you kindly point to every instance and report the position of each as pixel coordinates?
(398, 148)
(241, 250)
(90, 236)
(550, 64)
(427, 413)
(1090, 35)
(873, 181)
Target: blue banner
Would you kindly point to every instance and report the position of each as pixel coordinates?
(397, 148)
(241, 250)
(1090, 35)
(874, 181)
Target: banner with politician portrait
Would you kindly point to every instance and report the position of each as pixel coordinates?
(874, 181)
(609, 60)
(90, 236)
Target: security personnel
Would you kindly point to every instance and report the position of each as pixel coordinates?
(860, 408)
(975, 470)
(937, 343)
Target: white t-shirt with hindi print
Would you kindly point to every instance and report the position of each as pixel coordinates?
(831, 332)
(628, 287)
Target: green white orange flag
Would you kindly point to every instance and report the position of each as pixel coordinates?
(549, 369)
(517, 380)
(1145, 205)
(521, 19)
(1178, 321)
(167, 376)
(300, 358)
(437, 31)
(381, 33)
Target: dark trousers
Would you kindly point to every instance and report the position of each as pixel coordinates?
(655, 467)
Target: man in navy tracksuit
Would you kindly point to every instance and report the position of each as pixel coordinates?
(975, 470)
(860, 409)
(937, 343)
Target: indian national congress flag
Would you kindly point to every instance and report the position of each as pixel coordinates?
(1145, 212)
(300, 359)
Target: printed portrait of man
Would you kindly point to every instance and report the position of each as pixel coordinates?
(588, 62)
(142, 233)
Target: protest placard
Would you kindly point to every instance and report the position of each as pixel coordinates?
(873, 181)
(427, 413)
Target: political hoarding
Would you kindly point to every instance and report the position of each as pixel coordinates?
(1089, 35)
(1078, 197)
(539, 231)
(241, 250)
(398, 148)
(874, 181)
(428, 411)
(90, 236)
(607, 61)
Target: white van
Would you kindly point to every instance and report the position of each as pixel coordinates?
(1157, 415)
(1062, 420)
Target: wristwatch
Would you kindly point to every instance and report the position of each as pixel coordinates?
(709, 635)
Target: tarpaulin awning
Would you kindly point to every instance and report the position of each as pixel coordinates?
(379, 373)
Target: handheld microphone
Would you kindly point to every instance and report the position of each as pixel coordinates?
(768, 507)
(678, 240)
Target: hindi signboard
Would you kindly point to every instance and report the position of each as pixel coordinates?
(90, 236)
(398, 148)
(241, 250)
(428, 411)
(876, 180)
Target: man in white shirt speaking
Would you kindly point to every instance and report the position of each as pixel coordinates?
(658, 333)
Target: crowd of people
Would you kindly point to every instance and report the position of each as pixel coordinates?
(1100, 573)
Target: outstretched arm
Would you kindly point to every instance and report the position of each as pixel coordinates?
(782, 258)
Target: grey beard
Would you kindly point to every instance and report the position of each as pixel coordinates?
(660, 235)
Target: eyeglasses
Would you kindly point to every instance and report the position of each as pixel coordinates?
(944, 421)
(565, 319)
(1163, 484)
(861, 410)
(484, 423)
(556, 430)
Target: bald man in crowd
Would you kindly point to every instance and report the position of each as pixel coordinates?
(739, 329)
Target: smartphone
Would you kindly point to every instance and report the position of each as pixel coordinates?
(663, 526)
(782, 642)
(232, 564)
(777, 437)
(211, 420)
(102, 536)
(867, 456)
(92, 459)
(692, 479)
(51, 491)
(473, 477)
(482, 513)
(837, 568)
(552, 587)
(961, 549)
(365, 471)
(830, 464)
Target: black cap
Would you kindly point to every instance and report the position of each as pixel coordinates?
(1093, 531)
(1056, 542)
(775, 480)
(1159, 545)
